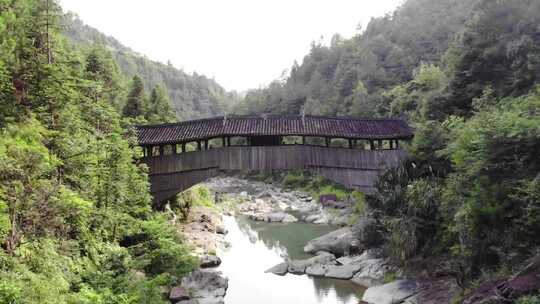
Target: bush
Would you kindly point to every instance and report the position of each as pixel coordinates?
(529, 300)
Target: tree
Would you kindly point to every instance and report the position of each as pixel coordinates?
(160, 110)
(136, 101)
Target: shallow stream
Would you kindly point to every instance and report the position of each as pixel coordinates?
(257, 246)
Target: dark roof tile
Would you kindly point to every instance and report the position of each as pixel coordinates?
(273, 125)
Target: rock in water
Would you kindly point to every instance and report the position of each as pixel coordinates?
(394, 292)
(317, 270)
(337, 242)
(300, 266)
(279, 269)
(344, 272)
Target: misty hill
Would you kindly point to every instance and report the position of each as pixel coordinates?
(192, 96)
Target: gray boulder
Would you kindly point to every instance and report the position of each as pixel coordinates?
(206, 286)
(279, 269)
(394, 292)
(317, 270)
(208, 261)
(337, 242)
(300, 266)
(372, 271)
(344, 272)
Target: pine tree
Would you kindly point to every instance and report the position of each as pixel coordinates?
(160, 108)
(135, 105)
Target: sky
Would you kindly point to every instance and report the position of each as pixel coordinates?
(242, 44)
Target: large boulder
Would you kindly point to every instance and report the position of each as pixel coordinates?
(394, 292)
(300, 266)
(337, 242)
(206, 286)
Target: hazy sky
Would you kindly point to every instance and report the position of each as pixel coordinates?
(241, 43)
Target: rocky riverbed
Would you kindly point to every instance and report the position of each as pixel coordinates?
(348, 254)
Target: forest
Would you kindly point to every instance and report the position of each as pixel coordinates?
(77, 223)
(465, 74)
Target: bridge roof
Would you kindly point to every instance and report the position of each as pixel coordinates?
(337, 127)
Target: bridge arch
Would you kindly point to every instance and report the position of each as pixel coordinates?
(366, 148)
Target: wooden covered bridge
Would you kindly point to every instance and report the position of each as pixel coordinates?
(349, 151)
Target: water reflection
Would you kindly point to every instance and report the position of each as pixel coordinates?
(257, 246)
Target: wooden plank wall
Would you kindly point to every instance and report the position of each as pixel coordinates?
(355, 169)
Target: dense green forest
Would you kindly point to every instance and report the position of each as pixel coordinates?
(76, 223)
(192, 96)
(465, 74)
(76, 217)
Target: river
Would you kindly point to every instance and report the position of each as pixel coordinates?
(257, 246)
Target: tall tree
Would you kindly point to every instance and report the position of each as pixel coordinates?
(160, 107)
(136, 103)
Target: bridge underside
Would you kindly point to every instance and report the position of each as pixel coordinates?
(352, 168)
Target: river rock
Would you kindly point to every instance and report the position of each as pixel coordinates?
(371, 272)
(317, 270)
(336, 242)
(312, 218)
(220, 229)
(344, 272)
(300, 266)
(178, 293)
(394, 292)
(206, 286)
(208, 261)
(279, 269)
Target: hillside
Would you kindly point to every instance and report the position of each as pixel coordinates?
(192, 96)
(351, 75)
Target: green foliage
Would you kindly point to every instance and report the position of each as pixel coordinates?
(136, 102)
(76, 224)
(159, 107)
(191, 95)
(528, 300)
(351, 77)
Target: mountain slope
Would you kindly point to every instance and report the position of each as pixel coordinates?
(349, 76)
(192, 96)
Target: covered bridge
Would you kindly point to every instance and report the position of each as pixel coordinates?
(349, 151)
